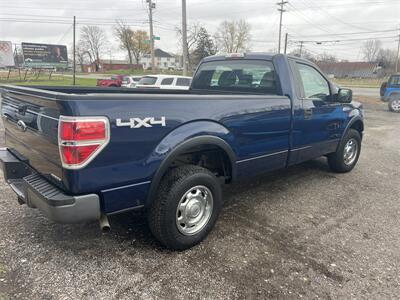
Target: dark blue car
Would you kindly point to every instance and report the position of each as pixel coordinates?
(82, 154)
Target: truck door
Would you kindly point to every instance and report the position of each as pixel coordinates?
(318, 120)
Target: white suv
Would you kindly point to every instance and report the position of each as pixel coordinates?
(165, 82)
(130, 81)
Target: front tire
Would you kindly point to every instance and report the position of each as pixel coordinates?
(346, 156)
(394, 104)
(186, 207)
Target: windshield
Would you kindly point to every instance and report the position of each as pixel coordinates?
(245, 76)
(148, 80)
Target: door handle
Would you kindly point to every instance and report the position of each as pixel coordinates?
(308, 113)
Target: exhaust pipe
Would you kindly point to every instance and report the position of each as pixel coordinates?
(104, 224)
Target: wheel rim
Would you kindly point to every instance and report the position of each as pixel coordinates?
(395, 104)
(350, 152)
(194, 210)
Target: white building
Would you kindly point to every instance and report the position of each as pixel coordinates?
(163, 60)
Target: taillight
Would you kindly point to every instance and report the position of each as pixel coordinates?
(80, 139)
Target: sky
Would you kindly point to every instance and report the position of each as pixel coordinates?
(341, 25)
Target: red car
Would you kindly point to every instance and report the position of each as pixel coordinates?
(115, 81)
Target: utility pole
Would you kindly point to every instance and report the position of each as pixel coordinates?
(286, 41)
(281, 10)
(301, 48)
(397, 56)
(74, 57)
(151, 7)
(185, 51)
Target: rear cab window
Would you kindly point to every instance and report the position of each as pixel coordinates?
(148, 80)
(243, 76)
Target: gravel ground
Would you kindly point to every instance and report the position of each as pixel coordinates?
(299, 233)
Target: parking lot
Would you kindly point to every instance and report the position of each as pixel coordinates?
(303, 232)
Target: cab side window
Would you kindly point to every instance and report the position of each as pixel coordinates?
(167, 81)
(314, 84)
(394, 81)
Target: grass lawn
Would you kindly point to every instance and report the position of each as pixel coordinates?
(55, 81)
(360, 82)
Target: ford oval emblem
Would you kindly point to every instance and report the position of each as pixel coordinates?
(21, 125)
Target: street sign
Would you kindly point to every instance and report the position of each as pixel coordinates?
(155, 38)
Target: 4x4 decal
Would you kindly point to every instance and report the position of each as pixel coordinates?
(139, 123)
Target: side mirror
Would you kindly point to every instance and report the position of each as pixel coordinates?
(345, 95)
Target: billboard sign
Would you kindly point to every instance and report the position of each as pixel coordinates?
(6, 55)
(44, 55)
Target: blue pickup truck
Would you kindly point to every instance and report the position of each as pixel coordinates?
(390, 92)
(83, 154)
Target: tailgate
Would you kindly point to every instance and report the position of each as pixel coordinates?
(31, 128)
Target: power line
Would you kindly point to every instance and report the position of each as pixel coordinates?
(342, 40)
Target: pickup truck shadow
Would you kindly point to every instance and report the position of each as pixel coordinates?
(133, 225)
(130, 229)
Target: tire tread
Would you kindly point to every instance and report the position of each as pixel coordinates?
(158, 208)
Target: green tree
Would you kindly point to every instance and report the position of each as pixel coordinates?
(205, 46)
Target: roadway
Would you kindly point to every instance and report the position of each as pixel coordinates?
(304, 233)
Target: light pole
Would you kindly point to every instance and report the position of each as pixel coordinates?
(151, 7)
(281, 10)
(185, 51)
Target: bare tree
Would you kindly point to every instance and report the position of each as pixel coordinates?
(233, 36)
(386, 58)
(139, 44)
(125, 36)
(82, 55)
(371, 49)
(93, 38)
(304, 54)
(192, 40)
(326, 58)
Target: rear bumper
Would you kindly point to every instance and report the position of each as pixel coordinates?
(35, 191)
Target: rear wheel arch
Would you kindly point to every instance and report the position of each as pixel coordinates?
(394, 95)
(193, 144)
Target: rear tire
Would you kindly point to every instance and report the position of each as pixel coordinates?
(186, 207)
(346, 156)
(394, 104)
